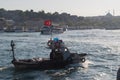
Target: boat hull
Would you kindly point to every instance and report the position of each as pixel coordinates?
(43, 65)
(46, 64)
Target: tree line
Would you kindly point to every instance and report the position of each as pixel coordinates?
(107, 21)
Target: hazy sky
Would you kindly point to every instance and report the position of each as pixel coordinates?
(74, 7)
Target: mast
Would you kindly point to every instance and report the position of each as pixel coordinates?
(51, 30)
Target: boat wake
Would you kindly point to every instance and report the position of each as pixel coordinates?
(84, 65)
(5, 68)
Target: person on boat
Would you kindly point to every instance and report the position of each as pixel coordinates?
(59, 52)
(56, 54)
(61, 43)
(58, 43)
(56, 39)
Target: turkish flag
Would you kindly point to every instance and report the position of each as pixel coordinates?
(47, 22)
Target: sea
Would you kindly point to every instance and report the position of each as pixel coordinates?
(102, 47)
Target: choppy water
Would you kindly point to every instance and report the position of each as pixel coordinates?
(102, 46)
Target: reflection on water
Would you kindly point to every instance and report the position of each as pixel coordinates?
(102, 46)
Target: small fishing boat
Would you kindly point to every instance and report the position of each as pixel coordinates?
(59, 58)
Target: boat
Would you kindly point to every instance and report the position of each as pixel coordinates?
(45, 30)
(59, 58)
(51, 30)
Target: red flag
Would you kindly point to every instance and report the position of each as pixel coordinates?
(47, 22)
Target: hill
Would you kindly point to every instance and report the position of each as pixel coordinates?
(34, 20)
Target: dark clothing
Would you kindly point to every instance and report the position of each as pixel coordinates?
(56, 55)
(118, 74)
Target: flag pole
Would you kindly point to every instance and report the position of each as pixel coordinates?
(51, 30)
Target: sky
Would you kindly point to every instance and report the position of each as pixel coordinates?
(73, 7)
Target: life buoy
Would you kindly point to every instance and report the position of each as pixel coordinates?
(83, 60)
(49, 43)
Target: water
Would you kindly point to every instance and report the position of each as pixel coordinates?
(102, 46)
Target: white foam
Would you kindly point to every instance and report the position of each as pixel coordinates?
(86, 63)
(3, 68)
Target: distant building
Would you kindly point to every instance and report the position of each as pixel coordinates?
(9, 26)
(2, 23)
(6, 25)
(108, 14)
